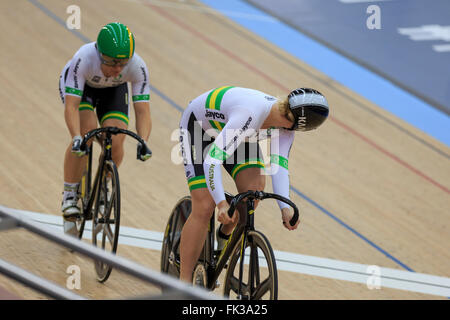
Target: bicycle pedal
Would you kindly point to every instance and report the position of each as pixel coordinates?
(174, 259)
(72, 218)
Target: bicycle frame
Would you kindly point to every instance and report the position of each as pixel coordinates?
(212, 261)
(85, 187)
(245, 224)
(104, 157)
(216, 265)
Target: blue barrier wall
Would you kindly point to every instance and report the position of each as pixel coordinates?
(411, 48)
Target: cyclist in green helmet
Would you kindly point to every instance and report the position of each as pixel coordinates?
(115, 45)
(93, 88)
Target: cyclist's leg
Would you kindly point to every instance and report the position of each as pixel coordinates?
(117, 140)
(193, 141)
(247, 172)
(73, 170)
(74, 165)
(194, 231)
(247, 179)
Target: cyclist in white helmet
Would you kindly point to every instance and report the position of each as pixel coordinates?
(222, 127)
(93, 88)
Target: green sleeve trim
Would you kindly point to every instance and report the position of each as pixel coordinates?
(74, 91)
(218, 154)
(279, 160)
(142, 97)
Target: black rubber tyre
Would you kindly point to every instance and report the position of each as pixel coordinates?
(106, 221)
(170, 251)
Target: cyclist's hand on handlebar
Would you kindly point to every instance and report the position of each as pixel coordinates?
(286, 216)
(76, 146)
(143, 152)
(222, 213)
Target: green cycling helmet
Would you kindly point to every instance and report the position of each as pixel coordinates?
(115, 40)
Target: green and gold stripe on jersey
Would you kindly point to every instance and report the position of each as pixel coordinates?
(213, 102)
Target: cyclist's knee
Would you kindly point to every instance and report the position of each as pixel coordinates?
(202, 204)
(88, 121)
(250, 179)
(117, 144)
(259, 183)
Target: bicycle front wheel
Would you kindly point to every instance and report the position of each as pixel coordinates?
(106, 219)
(259, 278)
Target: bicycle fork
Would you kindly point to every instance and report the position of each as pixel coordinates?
(248, 227)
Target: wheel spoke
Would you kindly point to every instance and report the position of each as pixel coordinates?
(103, 238)
(105, 222)
(262, 282)
(253, 270)
(108, 232)
(97, 229)
(234, 284)
(262, 289)
(108, 207)
(109, 204)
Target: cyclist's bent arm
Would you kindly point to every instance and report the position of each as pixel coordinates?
(279, 154)
(213, 173)
(74, 90)
(72, 115)
(143, 119)
(139, 79)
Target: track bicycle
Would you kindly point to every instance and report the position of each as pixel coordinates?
(100, 197)
(241, 282)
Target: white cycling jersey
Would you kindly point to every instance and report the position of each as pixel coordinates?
(84, 68)
(232, 115)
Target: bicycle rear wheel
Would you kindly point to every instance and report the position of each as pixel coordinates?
(170, 251)
(106, 219)
(259, 280)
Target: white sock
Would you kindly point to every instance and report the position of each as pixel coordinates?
(70, 190)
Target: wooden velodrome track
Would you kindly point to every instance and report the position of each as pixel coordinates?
(375, 173)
